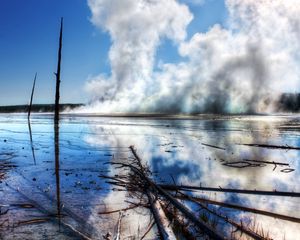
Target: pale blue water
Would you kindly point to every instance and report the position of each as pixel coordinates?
(174, 148)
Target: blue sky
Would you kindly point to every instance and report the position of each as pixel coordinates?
(28, 44)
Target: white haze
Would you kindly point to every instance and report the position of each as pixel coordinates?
(241, 68)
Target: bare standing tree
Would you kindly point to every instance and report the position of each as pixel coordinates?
(57, 95)
(31, 98)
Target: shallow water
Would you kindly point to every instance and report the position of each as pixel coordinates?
(51, 185)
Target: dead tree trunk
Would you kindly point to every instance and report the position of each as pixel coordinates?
(56, 116)
(31, 97)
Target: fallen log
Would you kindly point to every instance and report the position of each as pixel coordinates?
(229, 190)
(161, 220)
(268, 162)
(183, 228)
(242, 208)
(208, 230)
(240, 227)
(270, 146)
(241, 164)
(118, 235)
(213, 146)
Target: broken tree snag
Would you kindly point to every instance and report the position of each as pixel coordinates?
(56, 114)
(31, 97)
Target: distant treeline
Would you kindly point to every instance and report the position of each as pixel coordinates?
(38, 108)
(289, 102)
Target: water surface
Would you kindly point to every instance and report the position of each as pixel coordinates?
(51, 185)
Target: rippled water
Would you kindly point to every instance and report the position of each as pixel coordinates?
(50, 184)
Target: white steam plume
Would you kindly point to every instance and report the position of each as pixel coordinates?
(241, 68)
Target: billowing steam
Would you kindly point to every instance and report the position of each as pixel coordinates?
(238, 69)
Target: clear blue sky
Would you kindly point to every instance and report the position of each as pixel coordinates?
(28, 43)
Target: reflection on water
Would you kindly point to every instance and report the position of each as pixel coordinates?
(31, 141)
(57, 172)
(62, 191)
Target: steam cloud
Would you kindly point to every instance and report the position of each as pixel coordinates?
(240, 68)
